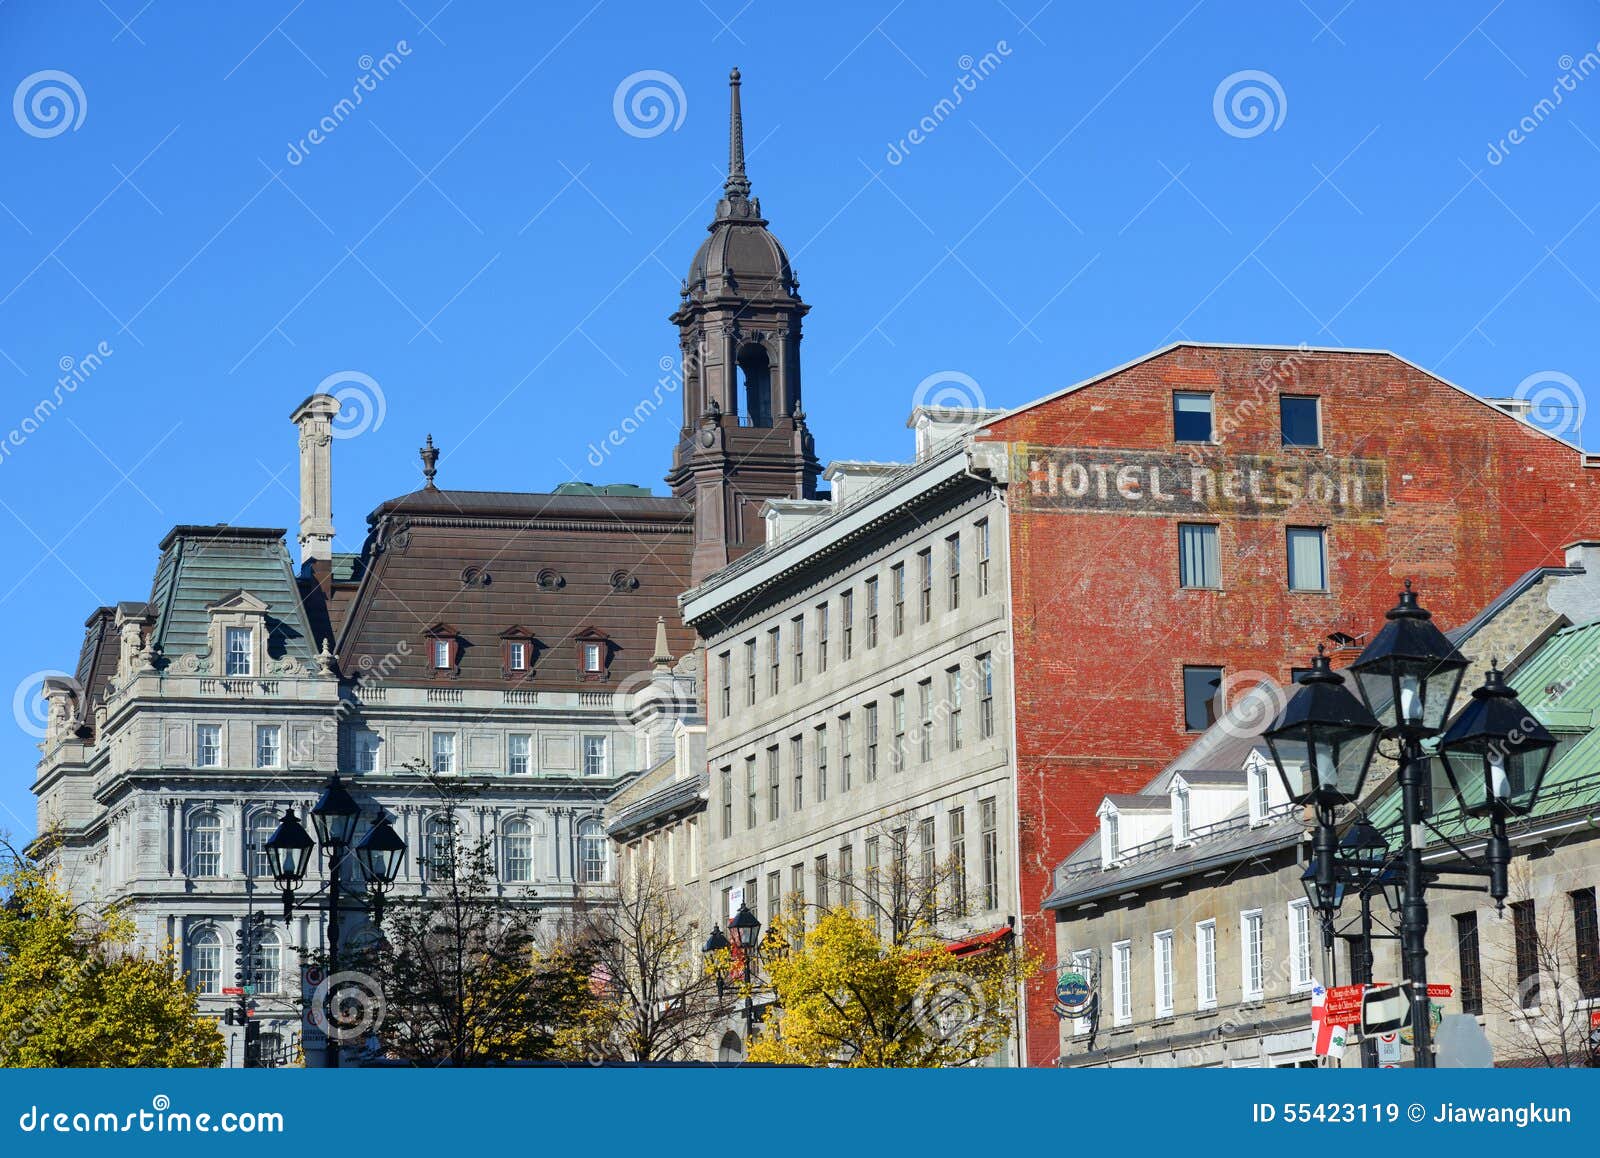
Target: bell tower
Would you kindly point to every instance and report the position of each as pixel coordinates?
(744, 438)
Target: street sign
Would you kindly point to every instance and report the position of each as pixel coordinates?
(1389, 1050)
(232, 991)
(1441, 990)
(1073, 993)
(1343, 1006)
(248, 990)
(1385, 1008)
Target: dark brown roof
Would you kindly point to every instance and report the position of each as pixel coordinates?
(488, 561)
(97, 658)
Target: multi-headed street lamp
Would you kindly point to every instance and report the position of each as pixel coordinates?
(746, 930)
(379, 854)
(1495, 755)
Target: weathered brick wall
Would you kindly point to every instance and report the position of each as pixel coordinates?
(1103, 630)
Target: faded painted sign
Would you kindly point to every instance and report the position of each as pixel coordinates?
(1146, 482)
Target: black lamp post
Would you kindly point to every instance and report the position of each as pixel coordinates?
(746, 930)
(378, 856)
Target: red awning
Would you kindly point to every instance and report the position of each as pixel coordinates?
(979, 942)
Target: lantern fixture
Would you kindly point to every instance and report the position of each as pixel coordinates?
(746, 929)
(1322, 741)
(1324, 898)
(1364, 848)
(380, 853)
(716, 943)
(1409, 673)
(289, 851)
(1495, 753)
(335, 814)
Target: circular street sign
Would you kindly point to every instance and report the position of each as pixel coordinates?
(1073, 994)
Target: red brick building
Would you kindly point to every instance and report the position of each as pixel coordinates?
(1204, 517)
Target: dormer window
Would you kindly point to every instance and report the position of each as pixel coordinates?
(1180, 815)
(1259, 788)
(239, 648)
(1110, 835)
(444, 650)
(594, 653)
(441, 653)
(516, 653)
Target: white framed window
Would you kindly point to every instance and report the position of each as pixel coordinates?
(269, 746)
(1205, 964)
(263, 823)
(1163, 972)
(1300, 944)
(204, 839)
(516, 851)
(444, 753)
(366, 751)
(1260, 801)
(437, 838)
(593, 853)
(266, 964)
(594, 755)
(205, 961)
(594, 658)
(208, 745)
(1083, 962)
(519, 754)
(441, 653)
(1252, 963)
(239, 645)
(517, 655)
(1122, 983)
(1110, 838)
(1180, 816)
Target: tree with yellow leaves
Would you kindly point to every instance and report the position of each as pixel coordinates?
(72, 994)
(844, 996)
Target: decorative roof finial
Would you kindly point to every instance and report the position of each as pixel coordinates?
(430, 463)
(662, 659)
(737, 186)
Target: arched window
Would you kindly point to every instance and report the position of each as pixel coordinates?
(730, 1049)
(263, 823)
(205, 961)
(436, 847)
(755, 376)
(266, 964)
(203, 855)
(516, 851)
(594, 853)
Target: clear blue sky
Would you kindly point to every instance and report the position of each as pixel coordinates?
(484, 240)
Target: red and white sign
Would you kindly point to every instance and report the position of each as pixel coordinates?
(1344, 1004)
(1594, 1019)
(1441, 990)
(232, 991)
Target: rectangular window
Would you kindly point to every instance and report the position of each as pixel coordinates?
(797, 768)
(749, 792)
(958, 862)
(1191, 417)
(1300, 945)
(822, 637)
(1586, 942)
(847, 623)
(985, 697)
(872, 742)
(952, 562)
(989, 848)
(269, 745)
(208, 745)
(897, 592)
(869, 882)
(1122, 983)
(594, 659)
(517, 655)
(1163, 973)
(924, 584)
(1308, 559)
(774, 783)
(821, 735)
(1252, 964)
(897, 714)
(982, 529)
(774, 896)
(1111, 835)
(1201, 686)
(846, 871)
(772, 662)
(872, 611)
(1470, 961)
(240, 651)
(594, 755)
(821, 873)
(749, 672)
(925, 718)
(928, 867)
(797, 646)
(1205, 964)
(797, 890)
(519, 754)
(1300, 419)
(725, 697)
(726, 777)
(1525, 937)
(952, 684)
(367, 745)
(441, 654)
(1198, 561)
(444, 753)
(1180, 816)
(845, 745)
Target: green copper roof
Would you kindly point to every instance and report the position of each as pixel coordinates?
(203, 565)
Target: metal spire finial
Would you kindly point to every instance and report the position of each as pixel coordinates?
(737, 186)
(430, 461)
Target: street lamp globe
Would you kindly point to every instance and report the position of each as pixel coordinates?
(1495, 753)
(1324, 897)
(716, 943)
(289, 851)
(335, 814)
(1409, 673)
(380, 853)
(746, 929)
(1322, 741)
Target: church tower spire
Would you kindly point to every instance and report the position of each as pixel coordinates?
(744, 438)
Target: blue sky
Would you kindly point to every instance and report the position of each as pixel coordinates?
(485, 244)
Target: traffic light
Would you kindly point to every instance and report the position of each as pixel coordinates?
(229, 1016)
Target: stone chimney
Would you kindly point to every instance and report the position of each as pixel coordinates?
(315, 418)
